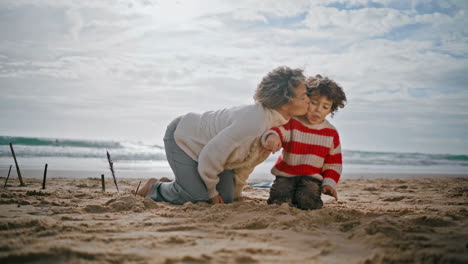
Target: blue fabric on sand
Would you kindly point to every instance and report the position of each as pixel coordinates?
(262, 185)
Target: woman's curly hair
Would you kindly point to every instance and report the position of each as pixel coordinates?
(277, 87)
(322, 86)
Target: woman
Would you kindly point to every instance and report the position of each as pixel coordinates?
(212, 154)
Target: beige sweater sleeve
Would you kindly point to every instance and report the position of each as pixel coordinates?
(241, 180)
(213, 157)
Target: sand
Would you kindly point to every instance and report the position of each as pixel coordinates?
(375, 221)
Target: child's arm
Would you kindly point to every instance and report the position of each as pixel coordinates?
(272, 142)
(332, 168)
(274, 138)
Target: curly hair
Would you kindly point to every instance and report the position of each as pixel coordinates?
(277, 87)
(322, 86)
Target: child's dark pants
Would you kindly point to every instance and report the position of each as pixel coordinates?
(303, 192)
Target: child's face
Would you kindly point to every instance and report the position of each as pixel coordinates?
(319, 108)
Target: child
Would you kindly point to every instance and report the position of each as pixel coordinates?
(311, 161)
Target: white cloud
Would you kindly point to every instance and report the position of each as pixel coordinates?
(366, 22)
(76, 22)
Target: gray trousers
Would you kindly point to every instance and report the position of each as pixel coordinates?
(188, 186)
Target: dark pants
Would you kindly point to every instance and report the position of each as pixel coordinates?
(303, 192)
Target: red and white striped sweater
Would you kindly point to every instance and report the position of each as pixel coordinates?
(313, 150)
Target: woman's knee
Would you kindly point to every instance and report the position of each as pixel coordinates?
(225, 185)
(228, 197)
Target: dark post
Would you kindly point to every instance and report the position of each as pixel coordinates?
(7, 176)
(17, 166)
(138, 187)
(45, 176)
(103, 183)
(111, 166)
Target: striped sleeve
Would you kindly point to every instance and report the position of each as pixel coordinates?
(333, 164)
(284, 132)
(265, 136)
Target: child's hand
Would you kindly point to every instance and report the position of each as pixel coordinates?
(272, 143)
(329, 191)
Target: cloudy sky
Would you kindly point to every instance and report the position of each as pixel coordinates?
(121, 70)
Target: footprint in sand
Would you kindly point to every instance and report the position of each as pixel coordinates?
(180, 240)
(348, 226)
(96, 209)
(253, 224)
(433, 221)
(394, 199)
(176, 228)
(37, 193)
(189, 259)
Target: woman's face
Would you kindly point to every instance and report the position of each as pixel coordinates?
(300, 102)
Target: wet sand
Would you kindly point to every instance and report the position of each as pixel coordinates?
(375, 221)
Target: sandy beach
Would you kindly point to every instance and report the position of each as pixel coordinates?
(375, 221)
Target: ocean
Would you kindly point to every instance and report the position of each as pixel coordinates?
(87, 158)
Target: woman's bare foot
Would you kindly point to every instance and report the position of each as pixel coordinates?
(164, 179)
(146, 188)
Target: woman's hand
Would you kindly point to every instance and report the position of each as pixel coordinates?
(329, 191)
(272, 143)
(217, 200)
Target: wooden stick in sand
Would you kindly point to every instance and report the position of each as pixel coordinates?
(138, 187)
(17, 166)
(6, 180)
(45, 176)
(111, 166)
(103, 183)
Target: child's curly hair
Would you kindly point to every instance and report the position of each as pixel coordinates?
(322, 86)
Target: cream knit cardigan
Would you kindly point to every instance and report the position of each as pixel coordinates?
(227, 139)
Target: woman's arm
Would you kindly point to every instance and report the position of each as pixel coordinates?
(212, 158)
(241, 176)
